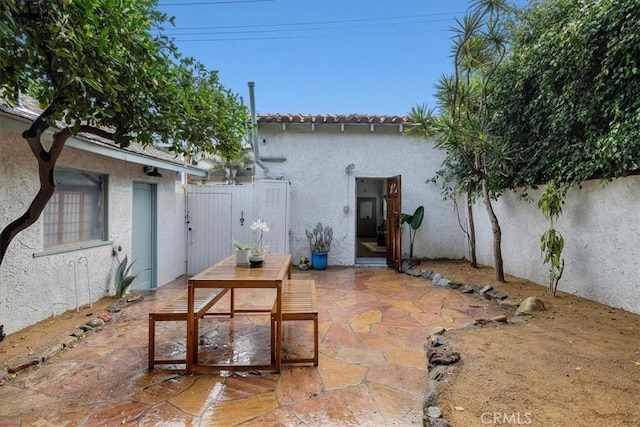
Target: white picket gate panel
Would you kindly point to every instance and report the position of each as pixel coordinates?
(218, 214)
(272, 205)
(209, 229)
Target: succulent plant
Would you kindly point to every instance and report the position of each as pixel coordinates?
(320, 238)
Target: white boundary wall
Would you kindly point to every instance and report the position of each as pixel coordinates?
(601, 227)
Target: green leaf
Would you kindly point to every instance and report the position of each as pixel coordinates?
(94, 84)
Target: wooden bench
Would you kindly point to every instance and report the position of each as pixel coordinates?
(176, 311)
(298, 303)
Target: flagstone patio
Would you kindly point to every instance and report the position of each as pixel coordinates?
(372, 371)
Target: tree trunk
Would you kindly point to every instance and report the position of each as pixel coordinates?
(46, 164)
(472, 229)
(497, 234)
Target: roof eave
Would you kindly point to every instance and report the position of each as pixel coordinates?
(15, 123)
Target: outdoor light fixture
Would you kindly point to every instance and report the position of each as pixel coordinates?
(349, 168)
(151, 171)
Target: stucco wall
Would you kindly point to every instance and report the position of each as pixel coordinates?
(35, 288)
(320, 187)
(601, 227)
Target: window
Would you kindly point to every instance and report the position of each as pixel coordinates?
(75, 214)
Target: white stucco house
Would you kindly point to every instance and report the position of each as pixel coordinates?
(337, 166)
(109, 202)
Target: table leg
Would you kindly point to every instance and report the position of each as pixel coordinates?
(279, 328)
(232, 302)
(192, 344)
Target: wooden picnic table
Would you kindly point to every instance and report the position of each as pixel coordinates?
(226, 274)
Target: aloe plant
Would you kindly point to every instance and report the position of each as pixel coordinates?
(122, 280)
(414, 221)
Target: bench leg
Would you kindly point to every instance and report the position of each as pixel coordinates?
(273, 339)
(152, 341)
(315, 341)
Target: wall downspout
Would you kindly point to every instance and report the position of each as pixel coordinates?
(254, 130)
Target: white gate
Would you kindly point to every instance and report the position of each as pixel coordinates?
(218, 214)
(272, 206)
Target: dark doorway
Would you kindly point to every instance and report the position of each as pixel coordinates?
(370, 220)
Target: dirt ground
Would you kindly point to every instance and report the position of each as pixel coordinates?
(575, 364)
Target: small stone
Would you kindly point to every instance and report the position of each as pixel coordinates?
(105, 317)
(70, 341)
(443, 282)
(455, 285)
(436, 422)
(467, 290)
(437, 341)
(436, 331)
(426, 274)
(508, 303)
(134, 297)
(495, 295)
(486, 289)
(431, 396)
(414, 272)
(95, 323)
(78, 333)
(530, 305)
(437, 373)
(502, 318)
(85, 328)
(436, 277)
(24, 363)
(458, 408)
(114, 308)
(467, 326)
(52, 351)
(441, 357)
(434, 412)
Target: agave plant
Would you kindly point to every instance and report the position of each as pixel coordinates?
(122, 280)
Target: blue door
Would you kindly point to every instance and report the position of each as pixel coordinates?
(143, 249)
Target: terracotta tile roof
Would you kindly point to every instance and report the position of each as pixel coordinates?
(333, 119)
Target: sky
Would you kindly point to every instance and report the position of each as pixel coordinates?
(376, 57)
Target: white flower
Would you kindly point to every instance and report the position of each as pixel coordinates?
(262, 228)
(260, 225)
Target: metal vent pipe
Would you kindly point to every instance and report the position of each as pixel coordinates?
(254, 130)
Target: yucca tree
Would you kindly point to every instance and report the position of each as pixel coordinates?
(462, 128)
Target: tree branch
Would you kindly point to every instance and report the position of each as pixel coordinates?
(97, 132)
(46, 164)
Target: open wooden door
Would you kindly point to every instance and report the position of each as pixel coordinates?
(394, 216)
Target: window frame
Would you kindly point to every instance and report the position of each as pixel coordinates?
(104, 240)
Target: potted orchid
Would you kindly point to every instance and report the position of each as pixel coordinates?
(257, 252)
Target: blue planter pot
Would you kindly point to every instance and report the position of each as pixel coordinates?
(319, 260)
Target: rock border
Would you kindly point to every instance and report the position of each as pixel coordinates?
(438, 354)
(96, 324)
